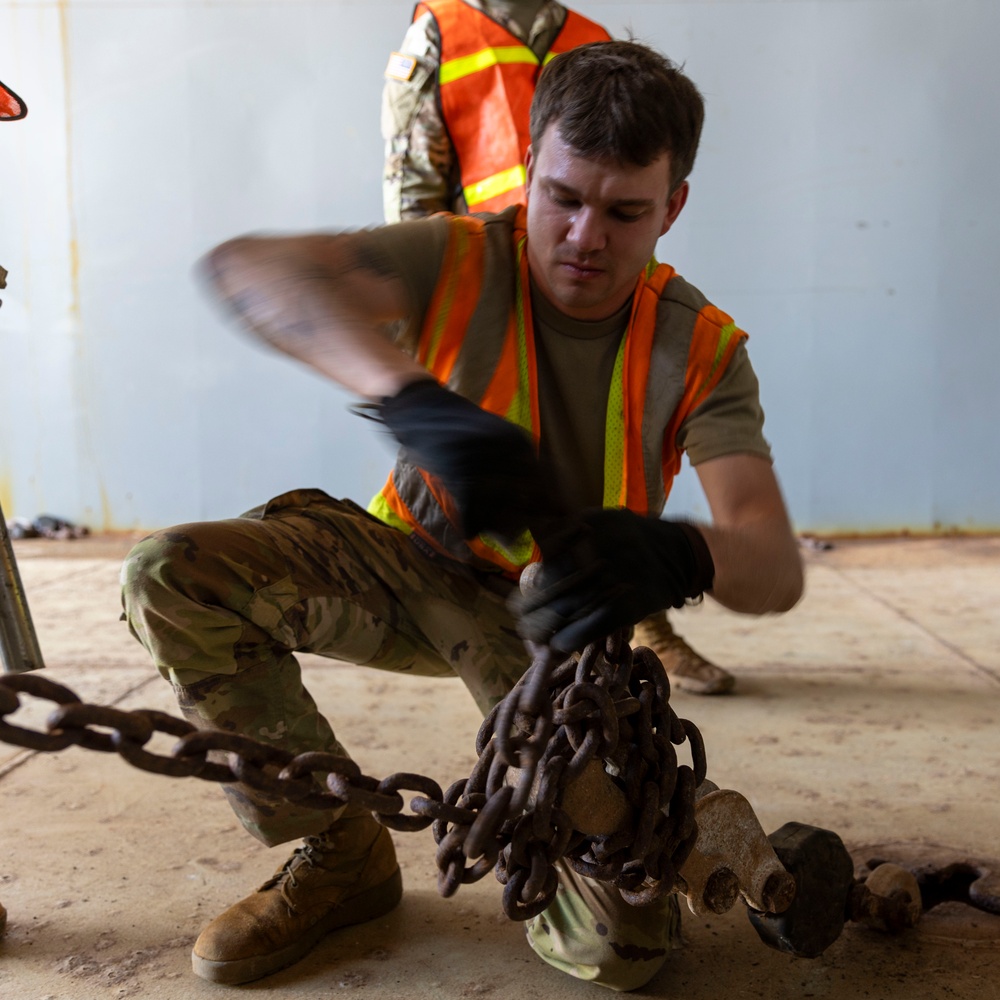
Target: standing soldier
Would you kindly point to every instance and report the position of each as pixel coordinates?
(11, 109)
(456, 100)
(11, 106)
(455, 124)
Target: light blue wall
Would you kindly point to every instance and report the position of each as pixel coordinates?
(843, 209)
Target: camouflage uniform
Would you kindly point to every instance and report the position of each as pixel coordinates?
(222, 607)
(421, 172)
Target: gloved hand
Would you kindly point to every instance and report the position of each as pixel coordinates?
(611, 571)
(487, 464)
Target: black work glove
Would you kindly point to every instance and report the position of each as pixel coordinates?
(609, 572)
(487, 464)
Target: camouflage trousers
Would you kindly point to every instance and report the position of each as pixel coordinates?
(223, 606)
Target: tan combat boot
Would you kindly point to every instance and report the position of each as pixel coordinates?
(687, 670)
(345, 876)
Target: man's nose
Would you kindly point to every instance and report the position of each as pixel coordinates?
(587, 231)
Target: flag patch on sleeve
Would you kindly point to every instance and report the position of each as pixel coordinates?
(400, 67)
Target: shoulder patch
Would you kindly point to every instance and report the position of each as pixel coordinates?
(400, 67)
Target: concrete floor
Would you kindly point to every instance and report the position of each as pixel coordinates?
(872, 709)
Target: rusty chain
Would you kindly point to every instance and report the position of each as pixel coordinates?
(610, 704)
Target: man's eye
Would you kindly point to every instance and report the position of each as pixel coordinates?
(627, 216)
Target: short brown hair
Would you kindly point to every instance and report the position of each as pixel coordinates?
(620, 101)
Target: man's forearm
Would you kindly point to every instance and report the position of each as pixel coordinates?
(757, 566)
(321, 300)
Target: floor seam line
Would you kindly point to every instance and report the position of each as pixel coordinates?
(59, 580)
(27, 754)
(981, 668)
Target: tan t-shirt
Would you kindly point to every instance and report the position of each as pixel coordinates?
(575, 366)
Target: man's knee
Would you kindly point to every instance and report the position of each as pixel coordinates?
(178, 598)
(149, 573)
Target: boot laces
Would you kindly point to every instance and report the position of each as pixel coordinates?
(308, 855)
(661, 637)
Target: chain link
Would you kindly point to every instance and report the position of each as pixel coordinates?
(608, 704)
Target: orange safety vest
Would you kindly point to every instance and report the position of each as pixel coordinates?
(672, 328)
(11, 106)
(486, 81)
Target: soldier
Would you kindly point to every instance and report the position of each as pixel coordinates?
(11, 109)
(11, 106)
(542, 375)
(454, 114)
(455, 126)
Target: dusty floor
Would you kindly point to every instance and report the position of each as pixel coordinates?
(872, 709)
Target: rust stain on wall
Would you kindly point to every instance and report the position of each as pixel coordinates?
(80, 374)
(74, 245)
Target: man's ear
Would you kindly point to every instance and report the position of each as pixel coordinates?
(676, 202)
(529, 161)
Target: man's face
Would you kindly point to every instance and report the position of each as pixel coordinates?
(593, 225)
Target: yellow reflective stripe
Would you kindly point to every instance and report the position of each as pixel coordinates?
(379, 507)
(518, 554)
(725, 335)
(490, 187)
(518, 413)
(549, 56)
(520, 406)
(455, 69)
(461, 237)
(614, 433)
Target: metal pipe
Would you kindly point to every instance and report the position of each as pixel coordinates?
(19, 649)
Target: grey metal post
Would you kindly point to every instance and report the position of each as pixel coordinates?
(18, 642)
